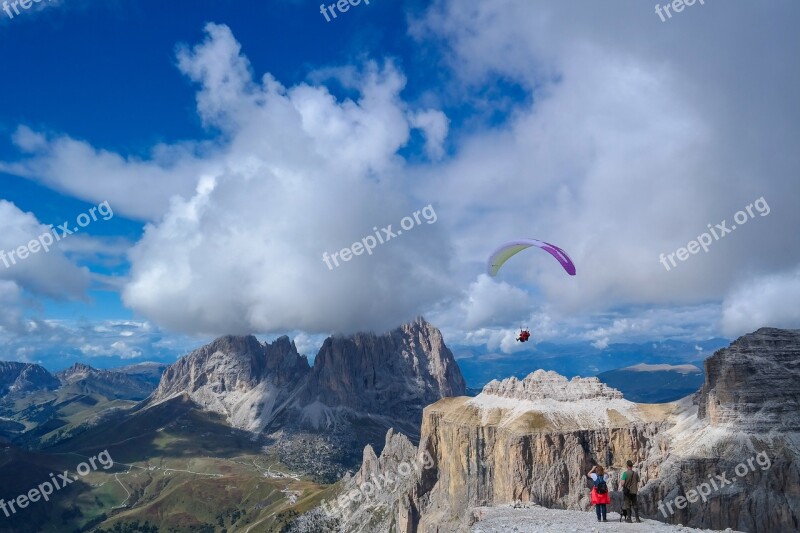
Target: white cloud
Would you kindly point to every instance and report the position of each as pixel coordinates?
(59, 343)
(10, 315)
(137, 189)
(770, 300)
(492, 303)
(635, 135)
(631, 145)
(599, 329)
(308, 345)
(435, 125)
(601, 344)
(47, 273)
(304, 174)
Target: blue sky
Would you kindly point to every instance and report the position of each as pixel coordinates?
(236, 141)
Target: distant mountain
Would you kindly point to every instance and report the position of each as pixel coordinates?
(480, 366)
(21, 378)
(661, 383)
(41, 409)
(322, 415)
(111, 384)
(148, 372)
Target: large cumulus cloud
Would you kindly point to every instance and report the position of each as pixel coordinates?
(633, 136)
(638, 134)
(302, 174)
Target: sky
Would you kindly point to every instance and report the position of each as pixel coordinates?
(236, 167)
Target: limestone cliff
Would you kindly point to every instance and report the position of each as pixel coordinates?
(395, 374)
(530, 440)
(746, 413)
(21, 378)
(534, 440)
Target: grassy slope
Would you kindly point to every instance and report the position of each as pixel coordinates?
(174, 466)
(48, 416)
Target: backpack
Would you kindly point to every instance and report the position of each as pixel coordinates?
(630, 480)
(600, 485)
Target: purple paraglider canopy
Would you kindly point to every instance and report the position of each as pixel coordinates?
(509, 249)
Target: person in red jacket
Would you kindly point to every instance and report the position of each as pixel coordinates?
(600, 496)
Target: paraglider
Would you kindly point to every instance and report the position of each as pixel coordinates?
(510, 249)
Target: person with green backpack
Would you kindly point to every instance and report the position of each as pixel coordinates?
(600, 496)
(630, 489)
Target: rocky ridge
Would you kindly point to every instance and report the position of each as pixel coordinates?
(21, 378)
(238, 377)
(548, 385)
(506, 445)
(753, 383)
(82, 378)
(320, 417)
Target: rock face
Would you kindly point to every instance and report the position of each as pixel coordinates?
(534, 440)
(743, 425)
(543, 385)
(753, 384)
(530, 440)
(237, 377)
(398, 373)
(378, 495)
(358, 387)
(20, 378)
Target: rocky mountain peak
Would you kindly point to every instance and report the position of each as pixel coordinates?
(238, 377)
(76, 372)
(541, 385)
(232, 363)
(397, 373)
(80, 367)
(419, 324)
(24, 377)
(235, 345)
(753, 383)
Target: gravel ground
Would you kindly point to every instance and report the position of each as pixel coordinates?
(535, 519)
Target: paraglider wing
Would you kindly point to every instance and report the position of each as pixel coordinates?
(509, 249)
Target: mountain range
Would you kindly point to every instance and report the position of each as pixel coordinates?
(480, 365)
(357, 388)
(242, 435)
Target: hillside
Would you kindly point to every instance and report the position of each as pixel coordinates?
(51, 408)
